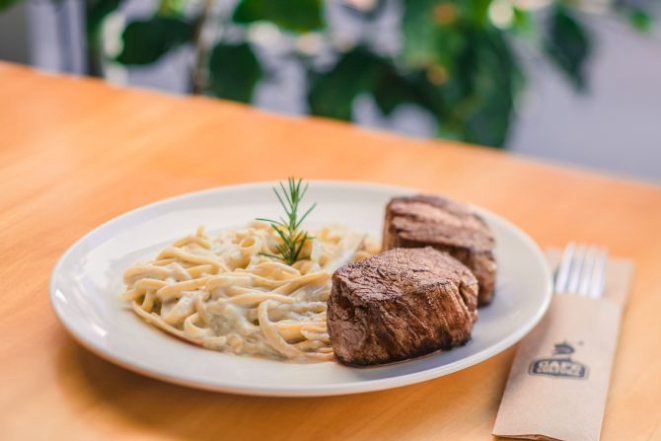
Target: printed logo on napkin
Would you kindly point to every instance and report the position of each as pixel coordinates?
(560, 364)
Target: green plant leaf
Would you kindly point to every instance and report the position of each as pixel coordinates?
(497, 80)
(454, 64)
(418, 29)
(393, 88)
(568, 45)
(435, 32)
(6, 4)
(522, 24)
(477, 96)
(468, 88)
(640, 20)
(474, 107)
(234, 71)
(96, 11)
(390, 91)
(171, 8)
(331, 93)
(361, 71)
(145, 41)
(291, 15)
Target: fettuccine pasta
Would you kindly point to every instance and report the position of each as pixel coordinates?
(224, 294)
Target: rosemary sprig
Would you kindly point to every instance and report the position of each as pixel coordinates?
(287, 228)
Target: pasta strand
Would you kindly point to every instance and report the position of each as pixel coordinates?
(222, 293)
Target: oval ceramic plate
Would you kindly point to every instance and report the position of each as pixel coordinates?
(87, 282)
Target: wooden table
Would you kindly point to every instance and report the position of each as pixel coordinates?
(75, 153)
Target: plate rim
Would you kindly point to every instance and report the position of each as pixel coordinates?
(303, 390)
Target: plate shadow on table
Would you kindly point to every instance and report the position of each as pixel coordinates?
(145, 405)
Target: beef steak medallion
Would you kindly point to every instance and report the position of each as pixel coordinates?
(426, 220)
(400, 304)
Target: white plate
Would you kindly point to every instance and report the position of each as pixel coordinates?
(87, 282)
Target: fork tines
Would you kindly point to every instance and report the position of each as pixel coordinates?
(582, 271)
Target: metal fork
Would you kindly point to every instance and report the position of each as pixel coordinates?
(582, 271)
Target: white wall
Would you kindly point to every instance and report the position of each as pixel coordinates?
(616, 126)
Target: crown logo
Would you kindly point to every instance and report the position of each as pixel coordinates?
(563, 348)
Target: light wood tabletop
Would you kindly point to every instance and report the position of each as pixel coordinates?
(75, 153)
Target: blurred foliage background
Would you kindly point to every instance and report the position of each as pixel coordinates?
(459, 60)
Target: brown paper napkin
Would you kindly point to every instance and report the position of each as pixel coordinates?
(559, 379)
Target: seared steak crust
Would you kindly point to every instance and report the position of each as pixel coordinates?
(426, 220)
(400, 304)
